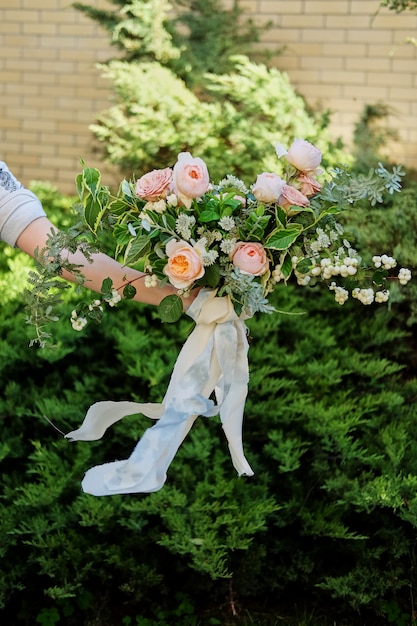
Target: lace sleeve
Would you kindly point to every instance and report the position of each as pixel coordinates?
(19, 207)
(7, 181)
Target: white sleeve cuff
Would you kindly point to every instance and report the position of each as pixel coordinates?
(18, 209)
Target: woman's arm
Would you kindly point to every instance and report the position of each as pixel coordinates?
(23, 223)
(101, 266)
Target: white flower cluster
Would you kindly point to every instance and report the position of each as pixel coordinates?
(384, 261)
(151, 280)
(325, 238)
(209, 257)
(344, 264)
(338, 266)
(366, 296)
(157, 207)
(115, 298)
(77, 322)
(303, 279)
(227, 223)
(227, 245)
(382, 296)
(277, 274)
(404, 276)
(340, 293)
(96, 304)
(184, 224)
(233, 181)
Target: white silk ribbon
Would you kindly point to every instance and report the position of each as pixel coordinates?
(213, 359)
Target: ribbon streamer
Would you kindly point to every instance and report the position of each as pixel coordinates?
(213, 359)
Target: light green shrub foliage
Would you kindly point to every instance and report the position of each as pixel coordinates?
(137, 27)
(157, 116)
(142, 27)
(183, 85)
(154, 110)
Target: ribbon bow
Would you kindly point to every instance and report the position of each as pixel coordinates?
(213, 359)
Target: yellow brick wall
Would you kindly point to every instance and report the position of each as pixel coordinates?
(340, 54)
(50, 88)
(344, 54)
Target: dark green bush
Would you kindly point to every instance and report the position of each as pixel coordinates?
(329, 519)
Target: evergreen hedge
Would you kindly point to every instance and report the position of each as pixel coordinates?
(328, 522)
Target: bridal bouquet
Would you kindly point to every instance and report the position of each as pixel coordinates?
(242, 241)
(237, 244)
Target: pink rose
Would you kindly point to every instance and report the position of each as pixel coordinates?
(292, 197)
(268, 187)
(154, 185)
(303, 155)
(309, 185)
(184, 265)
(190, 178)
(250, 257)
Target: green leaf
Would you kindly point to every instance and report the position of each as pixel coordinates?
(283, 238)
(229, 204)
(286, 266)
(331, 210)
(91, 179)
(129, 292)
(79, 184)
(209, 216)
(304, 266)
(126, 189)
(211, 276)
(118, 207)
(379, 277)
(170, 309)
(281, 216)
(214, 202)
(137, 249)
(122, 234)
(94, 210)
(106, 286)
(168, 221)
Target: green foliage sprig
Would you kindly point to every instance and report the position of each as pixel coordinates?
(45, 292)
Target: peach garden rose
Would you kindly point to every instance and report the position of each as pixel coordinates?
(308, 185)
(301, 154)
(250, 257)
(154, 185)
(190, 178)
(268, 187)
(185, 264)
(292, 197)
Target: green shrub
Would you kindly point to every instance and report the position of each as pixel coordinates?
(184, 85)
(197, 37)
(157, 116)
(328, 519)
